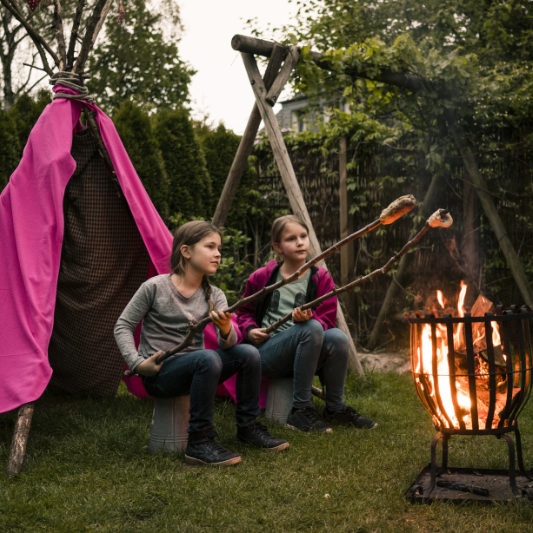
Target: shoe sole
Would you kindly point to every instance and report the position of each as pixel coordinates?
(348, 424)
(310, 430)
(278, 448)
(228, 462)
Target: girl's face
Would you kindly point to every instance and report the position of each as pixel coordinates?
(293, 244)
(204, 256)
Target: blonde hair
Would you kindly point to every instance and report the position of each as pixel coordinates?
(279, 225)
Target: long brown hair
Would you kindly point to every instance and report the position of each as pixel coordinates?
(188, 235)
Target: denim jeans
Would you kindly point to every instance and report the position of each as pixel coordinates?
(199, 372)
(302, 351)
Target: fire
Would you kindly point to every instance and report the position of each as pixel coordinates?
(433, 375)
(440, 298)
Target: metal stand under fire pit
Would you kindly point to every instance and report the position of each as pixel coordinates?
(473, 387)
(459, 485)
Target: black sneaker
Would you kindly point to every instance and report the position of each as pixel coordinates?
(349, 417)
(258, 435)
(307, 419)
(209, 452)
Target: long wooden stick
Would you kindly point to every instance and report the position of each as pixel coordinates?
(94, 26)
(390, 214)
(74, 33)
(60, 35)
(20, 439)
(246, 144)
(440, 218)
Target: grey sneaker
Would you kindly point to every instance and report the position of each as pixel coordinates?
(348, 417)
(307, 419)
(258, 435)
(209, 452)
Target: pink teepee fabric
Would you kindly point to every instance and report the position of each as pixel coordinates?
(31, 232)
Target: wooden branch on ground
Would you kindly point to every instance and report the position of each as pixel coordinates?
(20, 439)
(394, 211)
(440, 218)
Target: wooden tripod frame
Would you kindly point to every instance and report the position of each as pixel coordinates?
(282, 60)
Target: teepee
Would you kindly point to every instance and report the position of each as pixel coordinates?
(78, 234)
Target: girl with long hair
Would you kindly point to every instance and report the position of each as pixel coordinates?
(166, 304)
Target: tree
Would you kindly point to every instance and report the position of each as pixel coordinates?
(440, 86)
(25, 113)
(136, 56)
(136, 62)
(189, 182)
(15, 49)
(136, 132)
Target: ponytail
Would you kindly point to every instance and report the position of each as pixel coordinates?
(207, 292)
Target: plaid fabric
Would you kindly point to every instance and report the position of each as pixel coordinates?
(103, 262)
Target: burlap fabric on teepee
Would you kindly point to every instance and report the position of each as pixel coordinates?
(103, 262)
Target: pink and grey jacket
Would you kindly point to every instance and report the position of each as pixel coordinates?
(250, 316)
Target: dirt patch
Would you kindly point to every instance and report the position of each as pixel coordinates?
(386, 362)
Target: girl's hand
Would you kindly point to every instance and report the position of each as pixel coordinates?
(222, 321)
(258, 335)
(149, 367)
(301, 316)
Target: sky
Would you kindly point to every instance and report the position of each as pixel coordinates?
(220, 89)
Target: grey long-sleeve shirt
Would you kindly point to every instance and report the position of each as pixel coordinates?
(165, 315)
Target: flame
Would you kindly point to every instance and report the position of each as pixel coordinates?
(461, 301)
(496, 338)
(425, 359)
(458, 334)
(440, 298)
(432, 372)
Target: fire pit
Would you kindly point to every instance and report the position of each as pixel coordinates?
(473, 375)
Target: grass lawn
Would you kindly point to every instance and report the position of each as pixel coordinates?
(87, 470)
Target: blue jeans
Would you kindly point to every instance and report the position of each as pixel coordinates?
(198, 373)
(302, 351)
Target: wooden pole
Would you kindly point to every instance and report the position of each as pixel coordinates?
(246, 145)
(20, 439)
(346, 253)
(482, 190)
(290, 182)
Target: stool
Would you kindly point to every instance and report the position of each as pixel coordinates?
(279, 400)
(170, 421)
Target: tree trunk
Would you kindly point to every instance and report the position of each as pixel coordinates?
(507, 248)
(470, 248)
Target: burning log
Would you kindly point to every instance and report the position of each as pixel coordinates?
(394, 211)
